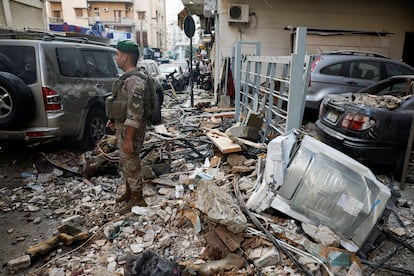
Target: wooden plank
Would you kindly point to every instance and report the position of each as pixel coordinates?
(230, 239)
(219, 109)
(223, 142)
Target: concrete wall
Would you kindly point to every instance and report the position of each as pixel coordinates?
(69, 15)
(269, 18)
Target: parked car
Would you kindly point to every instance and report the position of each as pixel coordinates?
(348, 71)
(152, 68)
(373, 125)
(172, 72)
(53, 88)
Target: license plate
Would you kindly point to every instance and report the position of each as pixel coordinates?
(332, 116)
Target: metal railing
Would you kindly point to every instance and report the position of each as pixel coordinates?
(274, 87)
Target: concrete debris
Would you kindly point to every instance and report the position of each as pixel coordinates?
(219, 206)
(194, 225)
(19, 263)
(322, 234)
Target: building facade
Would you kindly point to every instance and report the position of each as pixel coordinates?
(23, 14)
(384, 27)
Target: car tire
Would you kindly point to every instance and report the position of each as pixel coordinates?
(17, 105)
(95, 128)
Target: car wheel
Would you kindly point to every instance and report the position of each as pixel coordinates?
(95, 128)
(17, 105)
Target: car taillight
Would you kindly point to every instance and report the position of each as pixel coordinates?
(313, 66)
(315, 62)
(356, 122)
(51, 99)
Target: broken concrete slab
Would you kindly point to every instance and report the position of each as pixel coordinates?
(219, 206)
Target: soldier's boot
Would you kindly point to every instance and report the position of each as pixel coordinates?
(126, 196)
(137, 199)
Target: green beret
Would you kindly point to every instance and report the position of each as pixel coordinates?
(127, 46)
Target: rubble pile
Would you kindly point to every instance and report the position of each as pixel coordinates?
(199, 177)
(381, 101)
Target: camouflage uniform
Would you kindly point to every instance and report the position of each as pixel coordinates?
(130, 164)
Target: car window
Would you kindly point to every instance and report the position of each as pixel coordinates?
(71, 63)
(398, 85)
(369, 70)
(20, 61)
(98, 64)
(333, 70)
(392, 69)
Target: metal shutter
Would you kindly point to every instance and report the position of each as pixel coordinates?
(2, 17)
(26, 16)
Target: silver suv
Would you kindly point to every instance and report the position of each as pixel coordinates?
(348, 71)
(54, 87)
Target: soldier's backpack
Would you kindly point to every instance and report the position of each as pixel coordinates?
(152, 109)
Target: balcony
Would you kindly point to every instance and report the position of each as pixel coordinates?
(55, 20)
(124, 21)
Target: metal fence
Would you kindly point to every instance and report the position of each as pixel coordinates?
(273, 87)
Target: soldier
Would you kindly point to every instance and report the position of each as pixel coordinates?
(129, 124)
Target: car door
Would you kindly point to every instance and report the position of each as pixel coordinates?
(360, 74)
(86, 76)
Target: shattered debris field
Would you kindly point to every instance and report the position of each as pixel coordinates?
(218, 204)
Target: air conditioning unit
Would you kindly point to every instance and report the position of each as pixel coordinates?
(106, 9)
(238, 13)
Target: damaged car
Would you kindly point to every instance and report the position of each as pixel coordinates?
(349, 71)
(373, 125)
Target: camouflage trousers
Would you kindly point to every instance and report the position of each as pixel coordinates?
(130, 164)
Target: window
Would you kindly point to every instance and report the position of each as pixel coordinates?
(56, 14)
(20, 61)
(71, 63)
(392, 69)
(99, 64)
(96, 11)
(371, 70)
(117, 16)
(79, 12)
(333, 70)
